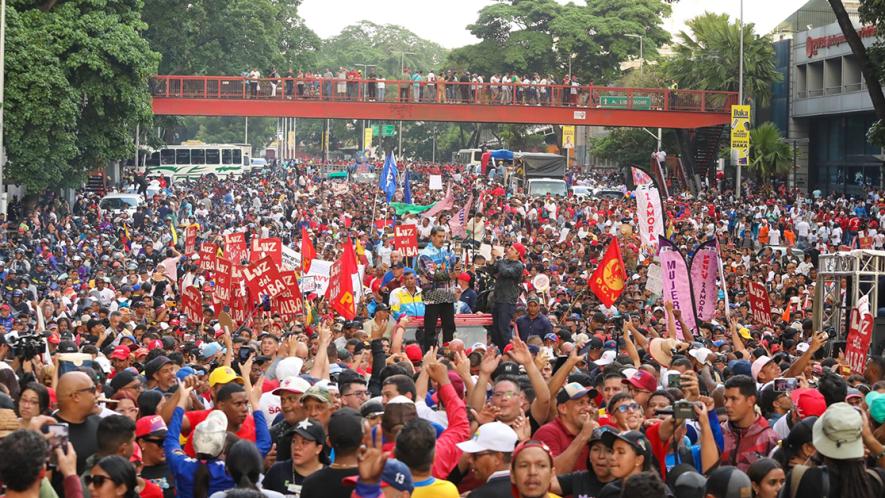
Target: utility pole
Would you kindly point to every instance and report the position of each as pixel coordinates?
(740, 97)
(2, 103)
(641, 55)
(246, 132)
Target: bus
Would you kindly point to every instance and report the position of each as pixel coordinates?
(470, 158)
(191, 160)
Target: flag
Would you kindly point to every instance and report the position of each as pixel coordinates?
(174, 233)
(125, 239)
(447, 203)
(407, 188)
(650, 212)
(341, 291)
(640, 177)
(704, 269)
(610, 277)
(389, 177)
(308, 252)
(458, 223)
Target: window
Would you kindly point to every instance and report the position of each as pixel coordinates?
(182, 156)
(198, 156)
(167, 156)
(225, 156)
(212, 156)
(154, 160)
(237, 156)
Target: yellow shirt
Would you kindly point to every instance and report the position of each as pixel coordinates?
(435, 488)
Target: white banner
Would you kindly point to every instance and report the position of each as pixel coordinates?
(651, 217)
(291, 259)
(435, 182)
(319, 271)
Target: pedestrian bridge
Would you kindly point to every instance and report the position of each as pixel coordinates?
(389, 100)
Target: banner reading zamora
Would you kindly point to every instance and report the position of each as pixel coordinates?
(740, 132)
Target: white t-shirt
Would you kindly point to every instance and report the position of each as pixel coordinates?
(270, 406)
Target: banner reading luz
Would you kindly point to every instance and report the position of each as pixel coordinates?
(860, 334)
(677, 287)
(760, 303)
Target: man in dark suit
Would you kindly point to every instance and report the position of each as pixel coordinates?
(490, 451)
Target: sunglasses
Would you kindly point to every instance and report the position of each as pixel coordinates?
(97, 481)
(156, 441)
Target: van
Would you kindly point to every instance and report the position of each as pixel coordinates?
(117, 203)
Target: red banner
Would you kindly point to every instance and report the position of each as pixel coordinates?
(192, 304)
(760, 303)
(263, 277)
(223, 281)
(190, 239)
(405, 238)
(235, 247)
(607, 281)
(865, 242)
(208, 255)
(238, 310)
(262, 248)
(860, 333)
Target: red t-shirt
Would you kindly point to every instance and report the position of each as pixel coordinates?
(151, 490)
(557, 437)
(247, 429)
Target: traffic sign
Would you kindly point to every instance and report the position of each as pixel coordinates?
(388, 131)
(640, 102)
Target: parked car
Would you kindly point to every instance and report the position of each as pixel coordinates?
(117, 203)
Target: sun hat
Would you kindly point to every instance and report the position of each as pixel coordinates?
(209, 435)
(837, 433)
(662, 350)
(758, 365)
(493, 436)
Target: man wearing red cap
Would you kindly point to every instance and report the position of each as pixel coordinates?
(120, 360)
(508, 275)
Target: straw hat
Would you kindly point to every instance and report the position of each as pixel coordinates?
(662, 350)
(8, 422)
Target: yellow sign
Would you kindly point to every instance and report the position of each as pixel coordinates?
(740, 132)
(367, 137)
(568, 137)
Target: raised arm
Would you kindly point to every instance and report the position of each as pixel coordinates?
(629, 346)
(490, 361)
(560, 376)
(320, 369)
(540, 408)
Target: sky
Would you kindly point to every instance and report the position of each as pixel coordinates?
(446, 22)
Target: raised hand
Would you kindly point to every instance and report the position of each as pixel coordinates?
(371, 460)
(489, 363)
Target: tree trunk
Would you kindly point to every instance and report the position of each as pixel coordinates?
(867, 68)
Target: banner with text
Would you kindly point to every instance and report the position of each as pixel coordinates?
(676, 286)
(760, 303)
(704, 269)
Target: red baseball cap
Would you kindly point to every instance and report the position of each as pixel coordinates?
(53, 339)
(120, 353)
(643, 381)
(413, 353)
(464, 277)
(150, 425)
(808, 402)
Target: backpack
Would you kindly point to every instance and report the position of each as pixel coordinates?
(799, 471)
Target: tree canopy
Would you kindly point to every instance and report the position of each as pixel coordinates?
(76, 89)
(529, 36)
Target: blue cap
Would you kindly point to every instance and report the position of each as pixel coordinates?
(740, 367)
(185, 372)
(534, 349)
(718, 343)
(397, 475)
(610, 345)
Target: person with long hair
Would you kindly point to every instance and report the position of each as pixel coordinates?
(797, 448)
(767, 477)
(126, 404)
(112, 477)
(840, 436)
(33, 401)
(244, 463)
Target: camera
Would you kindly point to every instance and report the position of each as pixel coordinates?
(683, 410)
(674, 380)
(782, 384)
(245, 353)
(28, 346)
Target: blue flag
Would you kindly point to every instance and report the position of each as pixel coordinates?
(389, 177)
(383, 176)
(407, 188)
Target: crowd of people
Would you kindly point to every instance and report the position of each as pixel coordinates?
(445, 86)
(109, 390)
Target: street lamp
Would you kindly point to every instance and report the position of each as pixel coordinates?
(571, 57)
(363, 87)
(641, 56)
(740, 94)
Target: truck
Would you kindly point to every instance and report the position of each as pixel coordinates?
(538, 174)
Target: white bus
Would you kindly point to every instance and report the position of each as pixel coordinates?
(470, 158)
(192, 160)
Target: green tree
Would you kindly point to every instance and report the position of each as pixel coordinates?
(384, 46)
(770, 156)
(706, 58)
(541, 36)
(77, 87)
(628, 145)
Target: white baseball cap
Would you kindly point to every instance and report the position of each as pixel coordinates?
(607, 358)
(209, 435)
(295, 385)
(701, 354)
(802, 347)
(493, 436)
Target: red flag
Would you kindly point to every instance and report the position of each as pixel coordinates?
(608, 280)
(308, 253)
(341, 295)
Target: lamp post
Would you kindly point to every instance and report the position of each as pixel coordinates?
(571, 57)
(363, 86)
(641, 55)
(740, 95)
(3, 103)
(402, 68)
